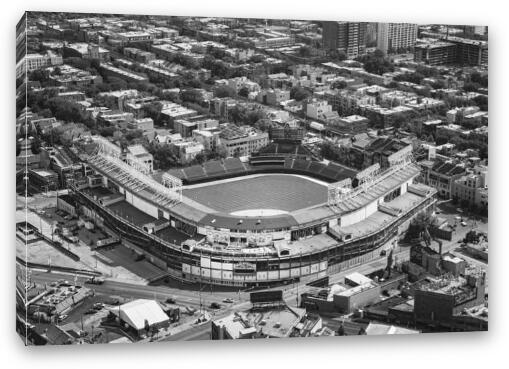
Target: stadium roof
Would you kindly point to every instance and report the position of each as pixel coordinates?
(139, 312)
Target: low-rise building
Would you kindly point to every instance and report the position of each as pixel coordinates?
(357, 292)
(143, 316)
(242, 141)
(441, 175)
(124, 74)
(438, 300)
(275, 322)
(187, 150)
(186, 127)
(31, 62)
(87, 51)
(472, 189)
(320, 110)
(140, 158)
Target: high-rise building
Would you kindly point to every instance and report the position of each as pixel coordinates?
(452, 50)
(476, 30)
(349, 37)
(394, 36)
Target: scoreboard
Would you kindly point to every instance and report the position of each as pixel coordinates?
(287, 134)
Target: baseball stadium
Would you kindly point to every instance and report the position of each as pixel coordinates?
(267, 220)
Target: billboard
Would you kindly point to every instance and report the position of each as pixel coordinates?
(266, 297)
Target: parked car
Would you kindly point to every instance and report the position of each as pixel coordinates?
(215, 305)
(95, 280)
(228, 300)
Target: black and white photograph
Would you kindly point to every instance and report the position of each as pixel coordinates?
(191, 178)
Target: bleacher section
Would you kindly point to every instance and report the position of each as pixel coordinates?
(194, 173)
(233, 167)
(316, 167)
(214, 167)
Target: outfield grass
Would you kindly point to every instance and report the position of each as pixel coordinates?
(271, 191)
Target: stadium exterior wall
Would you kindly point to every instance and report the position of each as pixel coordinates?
(244, 270)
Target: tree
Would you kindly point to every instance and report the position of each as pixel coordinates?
(153, 111)
(36, 145)
(201, 157)
(224, 91)
(299, 93)
(244, 92)
(471, 237)
(376, 63)
(39, 75)
(191, 95)
(107, 131)
(339, 85)
(337, 55)
(238, 114)
(422, 221)
(305, 51)
(221, 151)
(164, 156)
(476, 77)
(481, 101)
(471, 87)
(56, 71)
(341, 330)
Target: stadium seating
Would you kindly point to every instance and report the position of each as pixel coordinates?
(299, 164)
(316, 167)
(268, 160)
(328, 172)
(233, 165)
(289, 163)
(194, 173)
(214, 168)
